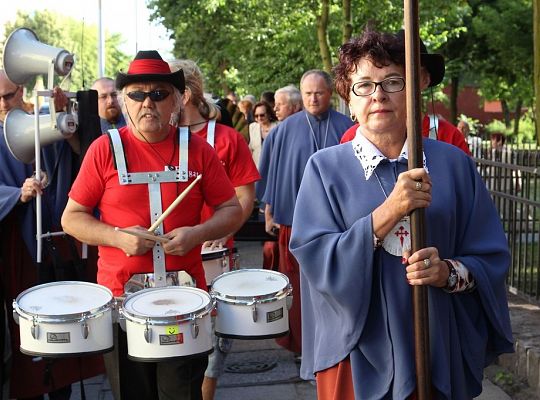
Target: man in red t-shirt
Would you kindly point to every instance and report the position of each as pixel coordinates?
(151, 165)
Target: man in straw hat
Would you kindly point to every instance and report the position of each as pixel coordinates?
(131, 175)
(431, 74)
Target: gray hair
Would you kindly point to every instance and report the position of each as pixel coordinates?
(294, 96)
(323, 74)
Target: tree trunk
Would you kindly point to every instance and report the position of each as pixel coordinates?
(347, 21)
(322, 35)
(517, 116)
(506, 114)
(454, 81)
(536, 75)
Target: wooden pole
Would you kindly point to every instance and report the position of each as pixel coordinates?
(414, 139)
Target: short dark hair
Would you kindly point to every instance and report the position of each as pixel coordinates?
(268, 107)
(382, 49)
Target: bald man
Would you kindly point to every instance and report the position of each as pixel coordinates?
(110, 112)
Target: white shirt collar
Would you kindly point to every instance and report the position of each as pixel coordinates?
(370, 156)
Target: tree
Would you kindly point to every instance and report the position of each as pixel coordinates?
(64, 32)
(536, 79)
(503, 55)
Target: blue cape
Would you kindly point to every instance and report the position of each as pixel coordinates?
(356, 301)
(57, 161)
(290, 146)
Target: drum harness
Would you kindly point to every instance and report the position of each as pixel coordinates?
(153, 179)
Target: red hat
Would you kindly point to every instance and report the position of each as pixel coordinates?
(148, 66)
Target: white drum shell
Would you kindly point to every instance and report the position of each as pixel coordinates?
(235, 317)
(65, 337)
(215, 263)
(168, 338)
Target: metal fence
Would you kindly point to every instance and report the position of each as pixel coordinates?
(512, 174)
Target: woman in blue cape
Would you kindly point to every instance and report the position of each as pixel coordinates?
(351, 237)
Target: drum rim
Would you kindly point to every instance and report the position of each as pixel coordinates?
(166, 320)
(251, 300)
(63, 318)
(215, 254)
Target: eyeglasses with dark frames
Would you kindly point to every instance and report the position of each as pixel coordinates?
(259, 115)
(389, 85)
(155, 95)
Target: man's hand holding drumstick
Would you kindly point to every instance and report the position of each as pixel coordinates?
(142, 239)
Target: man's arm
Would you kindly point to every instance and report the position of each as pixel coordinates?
(269, 225)
(78, 221)
(227, 218)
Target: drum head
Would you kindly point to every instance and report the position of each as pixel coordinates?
(166, 302)
(249, 283)
(63, 298)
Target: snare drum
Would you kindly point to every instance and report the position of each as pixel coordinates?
(167, 322)
(216, 262)
(251, 304)
(67, 318)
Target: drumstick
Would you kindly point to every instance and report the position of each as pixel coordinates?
(143, 234)
(173, 205)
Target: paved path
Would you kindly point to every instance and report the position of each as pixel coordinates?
(258, 369)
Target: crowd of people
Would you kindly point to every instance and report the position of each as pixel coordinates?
(336, 195)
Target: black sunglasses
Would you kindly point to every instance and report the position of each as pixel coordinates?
(155, 95)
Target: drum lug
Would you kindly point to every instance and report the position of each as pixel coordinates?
(235, 261)
(122, 321)
(16, 317)
(194, 329)
(288, 301)
(254, 312)
(34, 329)
(147, 334)
(84, 328)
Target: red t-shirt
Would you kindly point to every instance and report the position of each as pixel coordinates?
(235, 156)
(446, 132)
(97, 185)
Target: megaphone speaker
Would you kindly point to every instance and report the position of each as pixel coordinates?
(19, 132)
(25, 57)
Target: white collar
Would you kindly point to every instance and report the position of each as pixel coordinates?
(370, 156)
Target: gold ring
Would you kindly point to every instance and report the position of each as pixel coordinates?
(418, 186)
(427, 262)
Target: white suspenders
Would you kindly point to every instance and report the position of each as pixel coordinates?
(433, 126)
(211, 132)
(153, 179)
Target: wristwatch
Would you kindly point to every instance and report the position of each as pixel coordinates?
(452, 281)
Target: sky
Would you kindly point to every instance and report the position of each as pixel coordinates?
(130, 18)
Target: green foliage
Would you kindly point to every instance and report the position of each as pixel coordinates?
(527, 129)
(497, 126)
(254, 45)
(504, 52)
(65, 32)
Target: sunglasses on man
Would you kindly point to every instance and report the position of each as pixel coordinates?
(155, 95)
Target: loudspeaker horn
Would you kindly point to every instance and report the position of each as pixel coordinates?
(25, 57)
(19, 132)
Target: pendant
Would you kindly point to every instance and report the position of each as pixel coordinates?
(398, 239)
